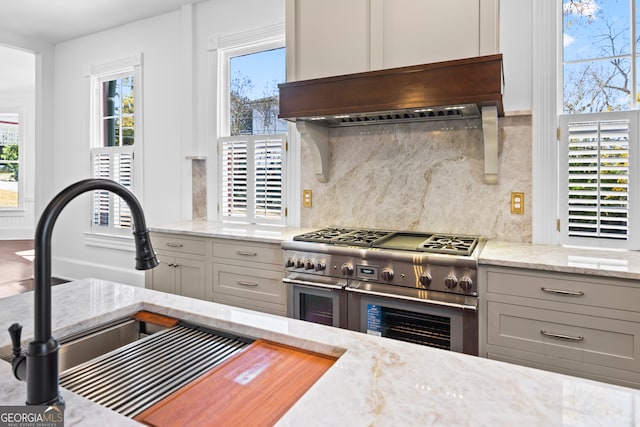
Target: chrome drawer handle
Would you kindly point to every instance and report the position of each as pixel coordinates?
(563, 292)
(243, 283)
(560, 336)
(174, 245)
(247, 253)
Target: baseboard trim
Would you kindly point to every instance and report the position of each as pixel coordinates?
(17, 233)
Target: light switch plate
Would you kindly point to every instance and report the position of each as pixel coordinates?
(307, 198)
(517, 203)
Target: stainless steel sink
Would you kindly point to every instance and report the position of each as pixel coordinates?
(95, 342)
(129, 366)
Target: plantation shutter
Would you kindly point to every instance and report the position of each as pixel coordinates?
(234, 167)
(252, 168)
(114, 163)
(597, 177)
(268, 177)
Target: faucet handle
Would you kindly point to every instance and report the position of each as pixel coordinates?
(18, 363)
(15, 331)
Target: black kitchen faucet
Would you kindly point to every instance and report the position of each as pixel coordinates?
(39, 366)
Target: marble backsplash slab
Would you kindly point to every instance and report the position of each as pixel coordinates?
(425, 176)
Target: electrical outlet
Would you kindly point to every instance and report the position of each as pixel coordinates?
(517, 203)
(307, 198)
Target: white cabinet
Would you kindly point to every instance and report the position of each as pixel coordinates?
(575, 324)
(248, 275)
(334, 37)
(182, 265)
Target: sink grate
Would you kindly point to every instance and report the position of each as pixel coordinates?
(132, 378)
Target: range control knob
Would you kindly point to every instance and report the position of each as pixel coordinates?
(347, 269)
(320, 266)
(451, 281)
(309, 265)
(425, 279)
(290, 263)
(299, 263)
(387, 274)
(466, 283)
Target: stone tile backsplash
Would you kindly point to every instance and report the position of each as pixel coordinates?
(423, 177)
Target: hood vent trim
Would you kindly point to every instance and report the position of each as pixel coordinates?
(443, 86)
(468, 88)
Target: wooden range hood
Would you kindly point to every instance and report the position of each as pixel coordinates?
(458, 89)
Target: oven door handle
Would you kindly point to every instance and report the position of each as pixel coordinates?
(308, 283)
(470, 307)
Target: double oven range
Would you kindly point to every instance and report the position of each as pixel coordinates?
(410, 286)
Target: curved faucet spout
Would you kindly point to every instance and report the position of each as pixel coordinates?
(42, 354)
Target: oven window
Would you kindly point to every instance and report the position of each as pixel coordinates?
(418, 328)
(316, 309)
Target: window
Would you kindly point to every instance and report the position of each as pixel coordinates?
(252, 147)
(10, 157)
(115, 143)
(598, 156)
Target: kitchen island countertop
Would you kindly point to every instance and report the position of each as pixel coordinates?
(376, 381)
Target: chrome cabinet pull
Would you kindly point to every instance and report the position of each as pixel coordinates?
(560, 336)
(247, 253)
(563, 292)
(243, 283)
(174, 245)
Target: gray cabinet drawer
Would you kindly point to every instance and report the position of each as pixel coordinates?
(585, 340)
(603, 293)
(250, 283)
(168, 242)
(269, 254)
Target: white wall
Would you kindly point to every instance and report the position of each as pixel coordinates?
(172, 81)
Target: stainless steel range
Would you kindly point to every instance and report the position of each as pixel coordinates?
(412, 286)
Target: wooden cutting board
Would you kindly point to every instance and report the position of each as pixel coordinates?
(253, 388)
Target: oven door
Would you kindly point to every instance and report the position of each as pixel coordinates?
(316, 299)
(434, 319)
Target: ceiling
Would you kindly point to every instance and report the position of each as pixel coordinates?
(56, 21)
(62, 20)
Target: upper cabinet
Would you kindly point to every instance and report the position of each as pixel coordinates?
(334, 37)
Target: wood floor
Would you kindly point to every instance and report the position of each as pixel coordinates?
(16, 267)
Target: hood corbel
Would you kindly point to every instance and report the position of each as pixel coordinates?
(490, 141)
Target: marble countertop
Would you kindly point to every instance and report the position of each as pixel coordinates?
(375, 381)
(248, 232)
(609, 263)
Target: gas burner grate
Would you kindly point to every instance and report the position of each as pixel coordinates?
(325, 235)
(361, 237)
(449, 244)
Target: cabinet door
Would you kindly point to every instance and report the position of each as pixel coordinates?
(190, 277)
(418, 31)
(331, 37)
(163, 277)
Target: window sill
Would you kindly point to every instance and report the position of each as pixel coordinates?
(12, 212)
(109, 241)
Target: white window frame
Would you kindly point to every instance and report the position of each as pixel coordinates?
(221, 50)
(547, 207)
(21, 159)
(130, 66)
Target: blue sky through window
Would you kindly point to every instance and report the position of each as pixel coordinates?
(598, 67)
(265, 70)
